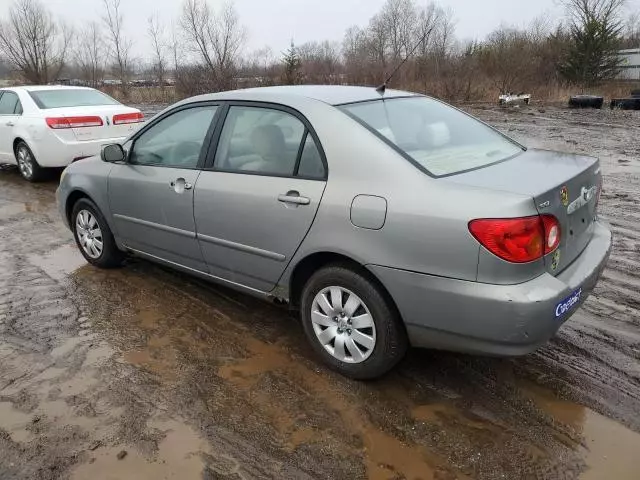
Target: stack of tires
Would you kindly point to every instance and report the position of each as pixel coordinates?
(586, 101)
(631, 103)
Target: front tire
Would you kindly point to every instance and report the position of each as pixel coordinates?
(27, 163)
(93, 235)
(351, 324)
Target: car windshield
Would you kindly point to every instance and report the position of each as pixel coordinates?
(439, 138)
(70, 97)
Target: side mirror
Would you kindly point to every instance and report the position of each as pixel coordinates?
(113, 153)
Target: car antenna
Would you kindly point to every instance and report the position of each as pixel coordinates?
(383, 88)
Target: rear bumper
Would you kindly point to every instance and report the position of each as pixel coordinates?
(61, 154)
(490, 319)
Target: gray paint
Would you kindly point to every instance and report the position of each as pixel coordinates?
(368, 211)
(424, 254)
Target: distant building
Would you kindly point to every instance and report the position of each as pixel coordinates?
(630, 64)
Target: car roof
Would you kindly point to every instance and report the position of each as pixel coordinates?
(330, 94)
(35, 88)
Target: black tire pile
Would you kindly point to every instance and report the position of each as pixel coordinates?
(586, 101)
(631, 103)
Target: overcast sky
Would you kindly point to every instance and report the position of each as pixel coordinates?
(275, 22)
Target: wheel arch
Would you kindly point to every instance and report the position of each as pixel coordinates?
(16, 141)
(72, 199)
(313, 262)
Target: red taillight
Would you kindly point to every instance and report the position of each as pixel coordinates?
(73, 122)
(552, 233)
(124, 118)
(518, 240)
(598, 194)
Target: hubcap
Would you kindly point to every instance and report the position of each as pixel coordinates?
(25, 164)
(89, 234)
(343, 325)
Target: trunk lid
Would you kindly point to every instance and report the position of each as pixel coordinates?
(561, 184)
(106, 113)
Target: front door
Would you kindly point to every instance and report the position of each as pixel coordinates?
(10, 113)
(151, 196)
(256, 205)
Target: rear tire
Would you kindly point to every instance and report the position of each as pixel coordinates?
(357, 332)
(27, 163)
(93, 235)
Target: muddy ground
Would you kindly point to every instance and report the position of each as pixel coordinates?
(144, 373)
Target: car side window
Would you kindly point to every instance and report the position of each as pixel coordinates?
(259, 140)
(175, 141)
(311, 165)
(10, 104)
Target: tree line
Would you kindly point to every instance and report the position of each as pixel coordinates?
(204, 50)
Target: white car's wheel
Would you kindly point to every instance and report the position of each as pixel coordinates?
(27, 163)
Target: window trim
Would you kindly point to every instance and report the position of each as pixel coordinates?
(296, 167)
(206, 143)
(2, 92)
(408, 157)
(215, 143)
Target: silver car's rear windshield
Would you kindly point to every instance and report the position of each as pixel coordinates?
(70, 97)
(439, 139)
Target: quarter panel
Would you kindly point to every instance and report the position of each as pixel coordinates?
(426, 227)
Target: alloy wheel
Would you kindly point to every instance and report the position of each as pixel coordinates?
(25, 162)
(343, 325)
(89, 234)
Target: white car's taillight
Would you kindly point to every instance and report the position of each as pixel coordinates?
(124, 118)
(58, 123)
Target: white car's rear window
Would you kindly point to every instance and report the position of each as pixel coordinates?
(70, 97)
(440, 139)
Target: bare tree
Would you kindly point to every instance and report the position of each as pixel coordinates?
(216, 38)
(399, 19)
(632, 31)
(159, 65)
(377, 43)
(264, 66)
(175, 48)
(506, 59)
(355, 55)
(426, 26)
(320, 62)
(89, 54)
(119, 44)
(33, 43)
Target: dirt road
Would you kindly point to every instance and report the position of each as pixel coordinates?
(143, 373)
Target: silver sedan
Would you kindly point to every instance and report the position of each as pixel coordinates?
(387, 220)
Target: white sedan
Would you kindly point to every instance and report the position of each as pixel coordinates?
(53, 126)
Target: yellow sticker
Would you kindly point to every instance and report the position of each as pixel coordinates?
(564, 196)
(555, 260)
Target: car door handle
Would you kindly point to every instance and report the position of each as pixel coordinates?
(10, 124)
(294, 198)
(179, 185)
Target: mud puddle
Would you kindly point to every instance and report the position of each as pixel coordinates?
(611, 449)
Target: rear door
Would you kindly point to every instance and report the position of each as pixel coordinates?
(256, 203)
(151, 196)
(10, 112)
